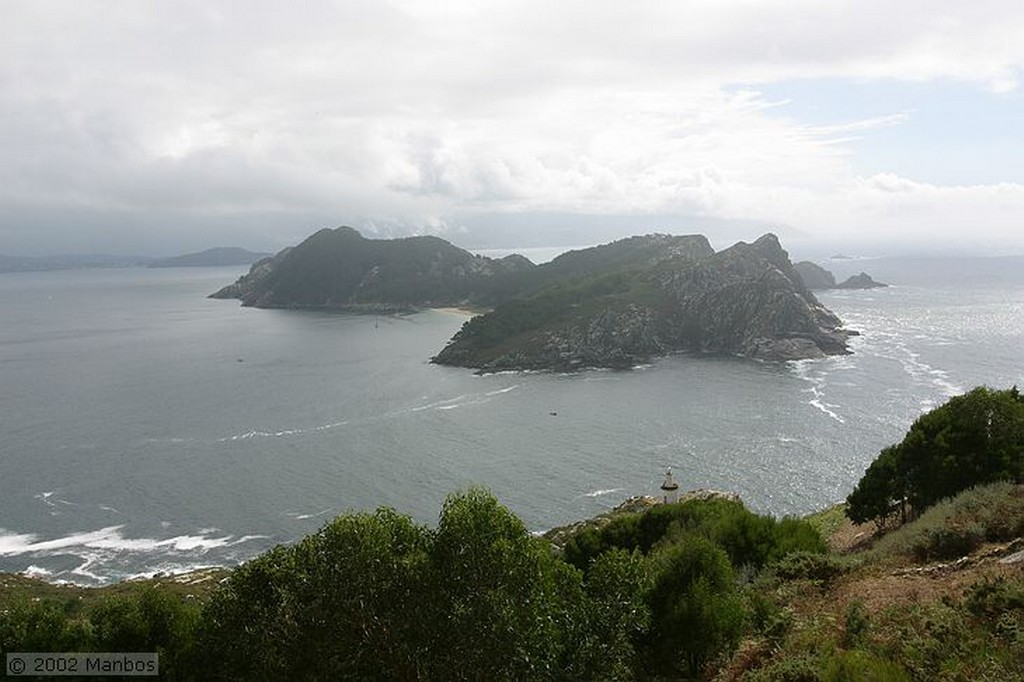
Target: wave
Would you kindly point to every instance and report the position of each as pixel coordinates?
(457, 402)
(818, 380)
(102, 553)
(298, 516)
(598, 494)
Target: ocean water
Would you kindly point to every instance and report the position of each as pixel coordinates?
(145, 428)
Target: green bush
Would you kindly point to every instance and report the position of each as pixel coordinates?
(148, 619)
(856, 624)
(808, 566)
(696, 612)
(992, 598)
(27, 625)
(747, 538)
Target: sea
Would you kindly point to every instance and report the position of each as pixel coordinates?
(146, 429)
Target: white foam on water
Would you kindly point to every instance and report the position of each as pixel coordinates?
(599, 493)
(33, 571)
(102, 551)
(299, 516)
(446, 404)
(815, 373)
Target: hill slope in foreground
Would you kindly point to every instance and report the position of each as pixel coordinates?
(941, 598)
(615, 305)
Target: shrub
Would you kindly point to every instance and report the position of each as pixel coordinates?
(808, 566)
(862, 666)
(992, 598)
(696, 613)
(856, 625)
(27, 625)
(747, 538)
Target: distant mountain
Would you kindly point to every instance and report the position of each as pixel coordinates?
(69, 262)
(746, 300)
(219, 256)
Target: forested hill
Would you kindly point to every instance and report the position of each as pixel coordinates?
(341, 269)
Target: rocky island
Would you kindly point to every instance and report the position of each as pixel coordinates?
(746, 300)
(818, 278)
(610, 306)
(340, 269)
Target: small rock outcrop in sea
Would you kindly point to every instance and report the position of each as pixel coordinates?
(746, 300)
(861, 281)
(818, 278)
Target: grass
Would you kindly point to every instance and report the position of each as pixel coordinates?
(829, 520)
(869, 616)
(958, 526)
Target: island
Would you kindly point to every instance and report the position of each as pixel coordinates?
(215, 257)
(610, 306)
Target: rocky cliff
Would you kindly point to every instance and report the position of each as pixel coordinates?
(814, 276)
(746, 300)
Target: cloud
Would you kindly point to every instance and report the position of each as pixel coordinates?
(409, 112)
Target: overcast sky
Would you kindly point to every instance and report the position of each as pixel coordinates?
(164, 127)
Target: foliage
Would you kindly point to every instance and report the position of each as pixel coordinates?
(857, 623)
(696, 612)
(147, 620)
(747, 538)
(863, 666)
(374, 596)
(955, 527)
(618, 614)
(993, 598)
(972, 439)
(27, 625)
(822, 568)
(143, 619)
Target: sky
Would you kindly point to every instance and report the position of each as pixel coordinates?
(160, 127)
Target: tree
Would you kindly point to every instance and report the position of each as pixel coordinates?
(498, 599)
(880, 491)
(972, 439)
(696, 613)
